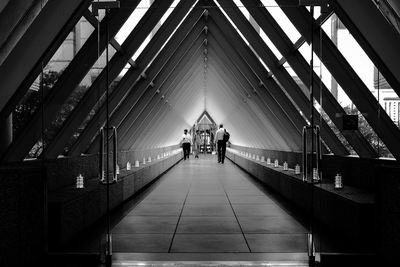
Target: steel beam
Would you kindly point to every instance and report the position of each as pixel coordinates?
(36, 50)
(159, 116)
(179, 39)
(376, 36)
(116, 65)
(270, 108)
(128, 81)
(132, 125)
(94, 22)
(291, 88)
(302, 69)
(269, 89)
(142, 94)
(265, 126)
(15, 19)
(65, 85)
(29, 53)
(347, 78)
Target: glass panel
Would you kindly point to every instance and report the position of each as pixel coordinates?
(132, 21)
(281, 18)
(67, 107)
(51, 72)
(368, 73)
(93, 112)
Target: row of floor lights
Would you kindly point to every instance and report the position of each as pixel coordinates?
(79, 184)
(338, 181)
(276, 161)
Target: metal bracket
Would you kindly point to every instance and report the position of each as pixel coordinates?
(96, 6)
(102, 178)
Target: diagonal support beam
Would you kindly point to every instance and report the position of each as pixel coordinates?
(292, 89)
(347, 78)
(158, 109)
(132, 126)
(302, 69)
(128, 88)
(271, 109)
(65, 85)
(266, 125)
(36, 46)
(377, 37)
(116, 65)
(94, 22)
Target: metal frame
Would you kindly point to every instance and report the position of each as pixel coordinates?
(329, 137)
(65, 85)
(131, 105)
(132, 125)
(116, 65)
(102, 171)
(302, 69)
(374, 34)
(347, 78)
(28, 76)
(270, 108)
(128, 85)
(48, 30)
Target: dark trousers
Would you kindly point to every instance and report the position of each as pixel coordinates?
(221, 148)
(186, 150)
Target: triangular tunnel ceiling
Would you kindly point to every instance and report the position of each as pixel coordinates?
(195, 63)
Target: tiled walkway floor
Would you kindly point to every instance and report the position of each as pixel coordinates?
(201, 206)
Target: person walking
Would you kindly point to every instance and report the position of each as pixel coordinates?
(196, 144)
(186, 141)
(221, 143)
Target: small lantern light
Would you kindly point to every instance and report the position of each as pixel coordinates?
(137, 164)
(149, 160)
(338, 181)
(276, 163)
(117, 169)
(285, 166)
(268, 161)
(128, 166)
(254, 156)
(258, 158)
(262, 159)
(144, 160)
(158, 156)
(79, 181)
(297, 169)
(315, 175)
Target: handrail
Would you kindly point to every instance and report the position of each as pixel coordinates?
(101, 160)
(314, 130)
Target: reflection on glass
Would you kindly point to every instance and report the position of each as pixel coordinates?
(51, 72)
(366, 70)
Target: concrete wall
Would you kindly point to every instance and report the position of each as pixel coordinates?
(388, 207)
(73, 210)
(22, 215)
(349, 212)
(136, 154)
(39, 200)
(358, 172)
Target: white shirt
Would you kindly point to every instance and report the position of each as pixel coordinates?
(219, 135)
(186, 138)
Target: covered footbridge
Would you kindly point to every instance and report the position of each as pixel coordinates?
(95, 96)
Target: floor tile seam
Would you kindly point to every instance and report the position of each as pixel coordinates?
(237, 220)
(214, 234)
(177, 224)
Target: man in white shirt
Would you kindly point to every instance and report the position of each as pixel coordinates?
(221, 144)
(186, 141)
